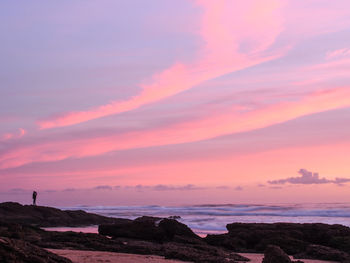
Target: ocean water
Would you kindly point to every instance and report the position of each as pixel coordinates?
(206, 219)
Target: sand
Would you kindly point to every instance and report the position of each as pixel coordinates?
(82, 256)
(257, 258)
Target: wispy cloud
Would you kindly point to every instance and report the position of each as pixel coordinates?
(223, 123)
(162, 187)
(238, 188)
(15, 135)
(103, 187)
(231, 43)
(307, 177)
(339, 53)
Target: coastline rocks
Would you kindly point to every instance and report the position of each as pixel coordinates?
(48, 216)
(18, 251)
(312, 240)
(274, 254)
(323, 253)
(150, 228)
(194, 252)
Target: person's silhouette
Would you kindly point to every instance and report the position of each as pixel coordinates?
(34, 197)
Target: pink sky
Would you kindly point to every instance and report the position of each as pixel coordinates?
(174, 103)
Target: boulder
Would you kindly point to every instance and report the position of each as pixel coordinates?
(48, 216)
(291, 237)
(12, 250)
(323, 253)
(149, 228)
(274, 254)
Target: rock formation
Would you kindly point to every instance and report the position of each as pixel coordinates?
(48, 216)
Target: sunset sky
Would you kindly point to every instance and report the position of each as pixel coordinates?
(115, 102)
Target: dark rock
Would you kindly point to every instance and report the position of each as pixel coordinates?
(18, 251)
(142, 228)
(323, 253)
(149, 228)
(197, 251)
(173, 228)
(294, 239)
(48, 216)
(274, 254)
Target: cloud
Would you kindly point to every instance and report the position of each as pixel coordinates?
(162, 187)
(344, 52)
(231, 43)
(216, 124)
(103, 187)
(223, 187)
(16, 135)
(308, 177)
(238, 188)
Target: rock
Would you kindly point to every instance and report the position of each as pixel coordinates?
(144, 228)
(290, 237)
(274, 254)
(173, 228)
(323, 253)
(18, 251)
(48, 216)
(149, 228)
(194, 252)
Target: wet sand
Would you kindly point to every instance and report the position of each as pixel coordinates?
(257, 258)
(82, 256)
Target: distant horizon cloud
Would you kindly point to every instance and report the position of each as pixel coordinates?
(308, 177)
(139, 187)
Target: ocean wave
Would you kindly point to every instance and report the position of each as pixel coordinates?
(213, 218)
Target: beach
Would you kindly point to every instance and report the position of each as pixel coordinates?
(28, 232)
(79, 256)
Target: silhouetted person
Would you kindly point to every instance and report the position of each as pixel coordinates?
(34, 197)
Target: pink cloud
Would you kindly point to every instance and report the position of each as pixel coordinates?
(338, 53)
(217, 124)
(232, 42)
(307, 177)
(20, 133)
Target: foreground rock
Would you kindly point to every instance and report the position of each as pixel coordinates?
(323, 253)
(150, 228)
(48, 216)
(274, 254)
(18, 251)
(294, 239)
(198, 251)
(170, 238)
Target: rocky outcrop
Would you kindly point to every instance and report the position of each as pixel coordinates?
(12, 250)
(48, 216)
(323, 253)
(150, 228)
(197, 251)
(317, 241)
(170, 238)
(274, 254)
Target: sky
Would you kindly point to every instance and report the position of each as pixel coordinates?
(166, 102)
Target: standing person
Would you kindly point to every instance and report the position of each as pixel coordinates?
(34, 197)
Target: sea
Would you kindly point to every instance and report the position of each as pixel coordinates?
(212, 218)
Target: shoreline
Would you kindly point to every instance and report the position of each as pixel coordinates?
(83, 256)
(164, 237)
